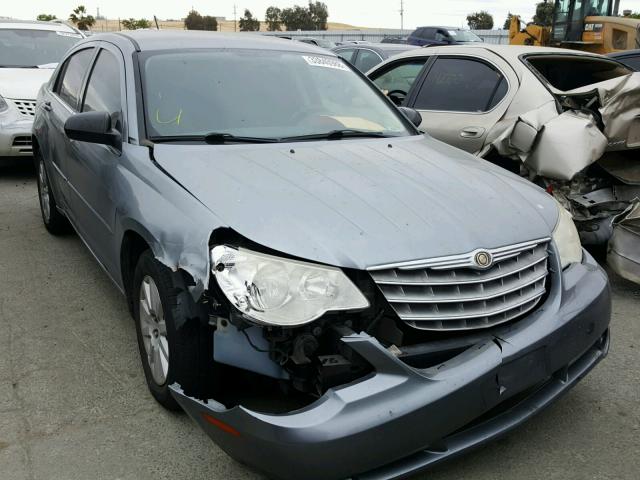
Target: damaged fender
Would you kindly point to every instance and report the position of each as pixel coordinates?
(559, 145)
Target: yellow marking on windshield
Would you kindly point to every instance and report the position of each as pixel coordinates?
(175, 120)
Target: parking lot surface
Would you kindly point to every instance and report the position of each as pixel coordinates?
(74, 403)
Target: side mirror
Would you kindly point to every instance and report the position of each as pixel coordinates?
(413, 115)
(93, 127)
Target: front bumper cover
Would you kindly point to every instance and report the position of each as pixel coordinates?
(15, 134)
(400, 420)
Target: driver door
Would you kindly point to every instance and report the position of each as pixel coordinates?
(92, 167)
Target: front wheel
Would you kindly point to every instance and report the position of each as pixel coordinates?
(176, 345)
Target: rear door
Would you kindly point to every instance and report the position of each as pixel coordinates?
(92, 167)
(461, 97)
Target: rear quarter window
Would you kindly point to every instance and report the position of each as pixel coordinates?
(566, 72)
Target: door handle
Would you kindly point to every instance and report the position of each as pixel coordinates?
(47, 106)
(472, 132)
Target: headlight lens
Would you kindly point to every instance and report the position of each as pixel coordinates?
(3, 104)
(277, 291)
(567, 239)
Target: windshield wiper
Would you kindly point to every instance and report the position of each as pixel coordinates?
(214, 138)
(337, 135)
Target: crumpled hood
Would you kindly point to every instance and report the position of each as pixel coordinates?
(23, 83)
(361, 203)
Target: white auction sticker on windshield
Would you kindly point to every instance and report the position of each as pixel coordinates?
(69, 34)
(326, 62)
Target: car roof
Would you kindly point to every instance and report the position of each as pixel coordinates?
(442, 27)
(625, 53)
(511, 53)
(377, 46)
(153, 40)
(35, 25)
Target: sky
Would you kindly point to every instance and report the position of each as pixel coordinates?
(364, 13)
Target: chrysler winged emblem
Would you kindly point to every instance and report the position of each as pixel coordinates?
(483, 259)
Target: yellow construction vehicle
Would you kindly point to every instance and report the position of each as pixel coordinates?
(589, 25)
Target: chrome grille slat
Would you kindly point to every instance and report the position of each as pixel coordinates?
(490, 295)
(478, 312)
(450, 294)
(456, 277)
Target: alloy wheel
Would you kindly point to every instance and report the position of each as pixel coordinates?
(154, 330)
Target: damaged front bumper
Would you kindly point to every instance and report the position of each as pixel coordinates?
(400, 420)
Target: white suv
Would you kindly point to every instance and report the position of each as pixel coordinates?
(29, 52)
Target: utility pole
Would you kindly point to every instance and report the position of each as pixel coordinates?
(402, 17)
(235, 23)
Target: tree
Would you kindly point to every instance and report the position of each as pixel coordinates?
(544, 13)
(481, 20)
(298, 18)
(507, 22)
(248, 23)
(195, 21)
(133, 24)
(209, 23)
(319, 15)
(45, 17)
(80, 18)
(273, 17)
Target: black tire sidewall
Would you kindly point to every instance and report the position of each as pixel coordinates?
(149, 266)
(56, 224)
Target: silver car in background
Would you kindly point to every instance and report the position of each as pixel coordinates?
(328, 293)
(29, 52)
(568, 120)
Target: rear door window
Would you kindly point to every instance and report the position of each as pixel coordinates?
(347, 53)
(73, 72)
(429, 33)
(568, 72)
(461, 85)
(367, 59)
(400, 76)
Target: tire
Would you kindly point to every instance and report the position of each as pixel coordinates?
(54, 221)
(174, 339)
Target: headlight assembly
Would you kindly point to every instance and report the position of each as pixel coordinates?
(278, 291)
(567, 239)
(3, 104)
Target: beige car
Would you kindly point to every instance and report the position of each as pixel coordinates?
(570, 121)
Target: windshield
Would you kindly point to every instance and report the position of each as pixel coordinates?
(33, 48)
(266, 94)
(464, 36)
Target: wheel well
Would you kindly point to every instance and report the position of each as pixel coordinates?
(35, 145)
(35, 148)
(133, 245)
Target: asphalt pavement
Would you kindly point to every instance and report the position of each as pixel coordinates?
(74, 404)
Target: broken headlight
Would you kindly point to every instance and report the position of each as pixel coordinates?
(567, 239)
(278, 291)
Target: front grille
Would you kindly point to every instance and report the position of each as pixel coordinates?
(23, 143)
(452, 293)
(26, 107)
